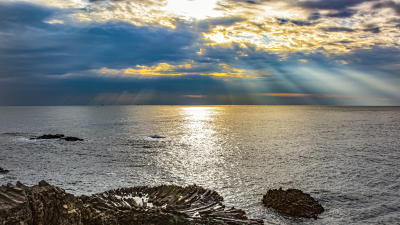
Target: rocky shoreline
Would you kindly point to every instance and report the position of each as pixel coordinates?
(165, 204)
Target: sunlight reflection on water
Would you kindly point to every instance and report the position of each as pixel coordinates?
(198, 156)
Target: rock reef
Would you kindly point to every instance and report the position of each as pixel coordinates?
(292, 202)
(165, 204)
(57, 136)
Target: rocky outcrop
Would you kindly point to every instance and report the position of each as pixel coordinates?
(165, 204)
(40, 204)
(3, 171)
(292, 202)
(57, 136)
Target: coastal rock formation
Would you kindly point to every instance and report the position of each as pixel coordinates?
(3, 171)
(165, 204)
(40, 204)
(292, 202)
(57, 136)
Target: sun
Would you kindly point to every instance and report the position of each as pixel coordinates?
(193, 9)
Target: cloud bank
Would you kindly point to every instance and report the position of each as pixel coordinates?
(257, 52)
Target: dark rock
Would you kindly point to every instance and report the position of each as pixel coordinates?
(3, 171)
(40, 204)
(43, 183)
(157, 136)
(72, 139)
(165, 204)
(292, 202)
(57, 136)
(50, 136)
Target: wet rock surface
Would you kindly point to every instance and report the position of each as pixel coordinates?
(3, 171)
(57, 136)
(292, 202)
(165, 204)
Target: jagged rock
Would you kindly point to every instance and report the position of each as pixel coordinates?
(40, 204)
(292, 202)
(3, 171)
(165, 204)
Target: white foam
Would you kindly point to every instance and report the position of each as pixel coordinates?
(141, 201)
(196, 215)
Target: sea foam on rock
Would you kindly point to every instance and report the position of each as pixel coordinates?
(165, 204)
(292, 202)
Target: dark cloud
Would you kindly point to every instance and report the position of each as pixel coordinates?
(36, 47)
(340, 6)
(208, 24)
(295, 22)
(22, 15)
(374, 30)
(331, 4)
(337, 29)
(314, 16)
(232, 4)
(342, 14)
(388, 4)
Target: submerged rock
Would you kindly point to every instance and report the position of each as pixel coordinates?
(165, 204)
(292, 202)
(3, 171)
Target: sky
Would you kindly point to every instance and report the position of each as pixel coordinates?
(200, 52)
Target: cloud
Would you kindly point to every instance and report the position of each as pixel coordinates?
(342, 14)
(296, 22)
(388, 4)
(332, 4)
(320, 56)
(207, 24)
(23, 15)
(300, 95)
(37, 47)
(337, 29)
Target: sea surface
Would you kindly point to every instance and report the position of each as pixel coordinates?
(347, 158)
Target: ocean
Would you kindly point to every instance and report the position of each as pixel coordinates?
(347, 158)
